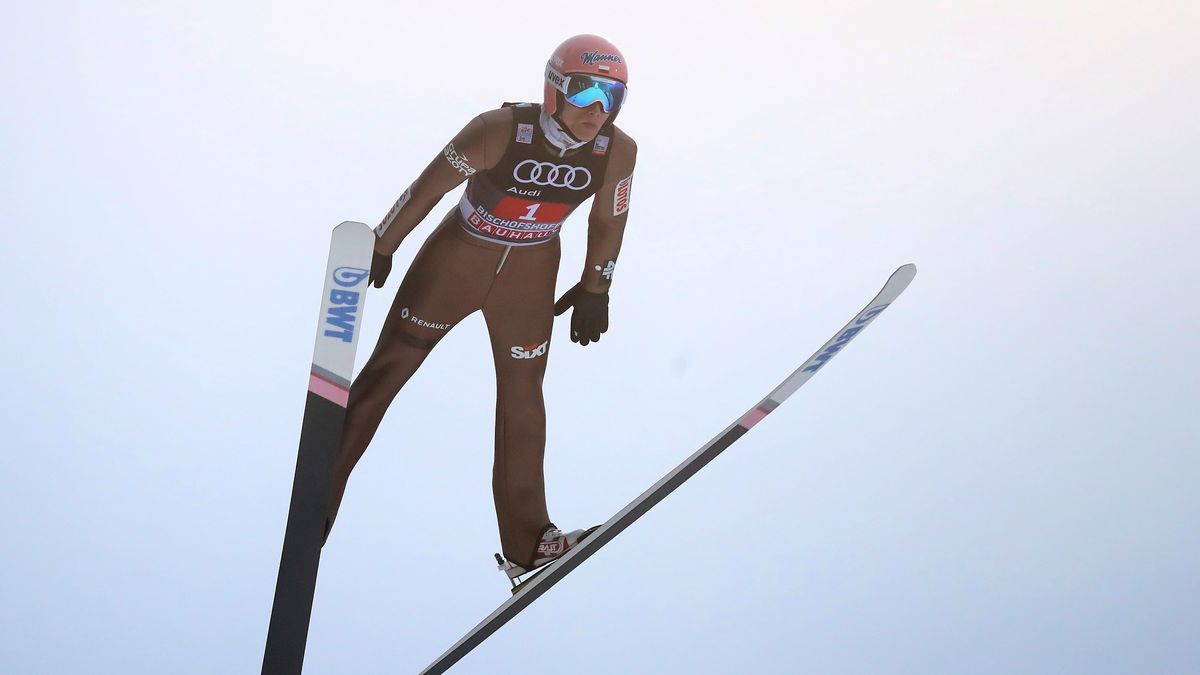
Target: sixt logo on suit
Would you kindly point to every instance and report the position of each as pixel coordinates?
(342, 310)
(531, 351)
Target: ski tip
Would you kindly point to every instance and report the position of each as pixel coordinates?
(357, 235)
(351, 225)
(903, 275)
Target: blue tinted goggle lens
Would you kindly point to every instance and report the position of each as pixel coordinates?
(583, 91)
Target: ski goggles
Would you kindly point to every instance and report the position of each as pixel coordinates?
(582, 90)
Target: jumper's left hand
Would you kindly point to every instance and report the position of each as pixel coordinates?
(590, 317)
(381, 267)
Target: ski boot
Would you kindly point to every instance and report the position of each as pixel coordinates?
(553, 545)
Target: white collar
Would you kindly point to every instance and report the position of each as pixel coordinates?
(558, 136)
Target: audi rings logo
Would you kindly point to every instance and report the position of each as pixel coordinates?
(553, 175)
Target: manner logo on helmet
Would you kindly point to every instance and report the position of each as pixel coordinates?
(553, 175)
(593, 57)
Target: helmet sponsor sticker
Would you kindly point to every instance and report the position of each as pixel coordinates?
(601, 145)
(621, 196)
(457, 160)
(593, 57)
(549, 174)
(525, 133)
(531, 351)
(557, 79)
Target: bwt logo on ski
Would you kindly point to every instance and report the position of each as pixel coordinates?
(343, 305)
(530, 352)
(844, 339)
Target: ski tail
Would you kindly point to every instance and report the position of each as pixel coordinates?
(324, 412)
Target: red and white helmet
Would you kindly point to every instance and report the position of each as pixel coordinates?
(583, 54)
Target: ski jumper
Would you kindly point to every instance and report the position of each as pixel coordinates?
(497, 251)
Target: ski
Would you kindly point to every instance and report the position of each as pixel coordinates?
(536, 585)
(346, 279)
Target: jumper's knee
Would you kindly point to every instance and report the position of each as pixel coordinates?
(413, 341)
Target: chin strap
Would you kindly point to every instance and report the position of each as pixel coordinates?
(558, 135)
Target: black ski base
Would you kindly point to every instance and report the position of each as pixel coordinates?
(320, 436)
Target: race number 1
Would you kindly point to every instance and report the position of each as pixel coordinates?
(530, 212)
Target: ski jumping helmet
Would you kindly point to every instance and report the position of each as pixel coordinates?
(584, 70)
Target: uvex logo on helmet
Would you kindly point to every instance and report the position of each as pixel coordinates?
(554, 77)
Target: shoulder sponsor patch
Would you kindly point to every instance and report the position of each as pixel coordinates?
(525, 133)
(601, 145)
(621, 196)
(457, 160)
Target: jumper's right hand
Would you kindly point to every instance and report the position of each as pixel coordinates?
(381, 267)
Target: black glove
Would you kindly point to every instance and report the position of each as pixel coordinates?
(381, 267)
(590, 317)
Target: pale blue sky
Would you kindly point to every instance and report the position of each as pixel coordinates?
(998, 477)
